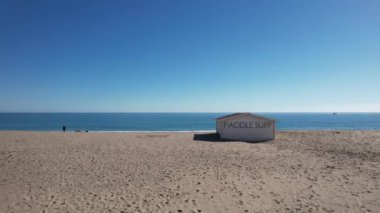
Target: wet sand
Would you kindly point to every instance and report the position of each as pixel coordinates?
(317, 171)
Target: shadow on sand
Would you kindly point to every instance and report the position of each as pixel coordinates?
(214, 137)
(209, 137)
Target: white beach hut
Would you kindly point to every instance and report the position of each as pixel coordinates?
(245, 127)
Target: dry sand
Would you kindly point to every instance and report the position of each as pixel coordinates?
(319, 171)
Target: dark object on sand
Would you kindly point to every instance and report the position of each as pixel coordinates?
(64, 128)
(78, 130)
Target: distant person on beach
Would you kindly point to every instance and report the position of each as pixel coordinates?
(64, 128)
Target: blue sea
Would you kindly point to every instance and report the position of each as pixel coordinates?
(179, 121)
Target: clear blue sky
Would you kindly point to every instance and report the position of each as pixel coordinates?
(189, 56)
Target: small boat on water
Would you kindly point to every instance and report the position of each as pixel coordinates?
(335, 113)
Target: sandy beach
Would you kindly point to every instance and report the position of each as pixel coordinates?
(316, 171)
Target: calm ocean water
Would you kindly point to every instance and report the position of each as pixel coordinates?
(179, 121)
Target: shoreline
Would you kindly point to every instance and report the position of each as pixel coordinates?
(186, 131)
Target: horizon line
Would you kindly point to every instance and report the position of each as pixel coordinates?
(202, 112)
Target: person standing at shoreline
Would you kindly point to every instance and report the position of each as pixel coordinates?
(64, 128)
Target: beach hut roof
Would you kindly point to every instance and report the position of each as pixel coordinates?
(239, 114)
